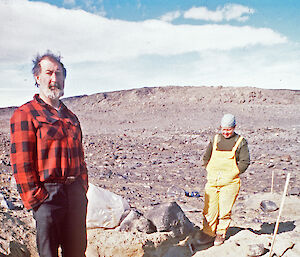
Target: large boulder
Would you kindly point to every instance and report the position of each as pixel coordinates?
(169, 217)
(135, 221)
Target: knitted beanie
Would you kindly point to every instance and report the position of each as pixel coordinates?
(228, 121)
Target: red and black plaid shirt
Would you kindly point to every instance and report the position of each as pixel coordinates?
(46, 145)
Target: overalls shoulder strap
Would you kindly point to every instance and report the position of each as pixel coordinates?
(237, 144)
(215, 142)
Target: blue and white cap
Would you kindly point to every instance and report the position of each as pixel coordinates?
(228, 121)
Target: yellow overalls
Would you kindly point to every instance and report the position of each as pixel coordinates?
(221, 189)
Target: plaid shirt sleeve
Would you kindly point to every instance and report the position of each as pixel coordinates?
(83, 168)
(23, 154)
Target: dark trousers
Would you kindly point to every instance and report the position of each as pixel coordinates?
(61, 221)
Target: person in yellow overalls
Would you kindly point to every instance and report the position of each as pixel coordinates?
(226, 157)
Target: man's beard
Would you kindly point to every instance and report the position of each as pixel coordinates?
(54, 94)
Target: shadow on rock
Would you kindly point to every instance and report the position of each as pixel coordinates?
(233, 231)
(268, 228)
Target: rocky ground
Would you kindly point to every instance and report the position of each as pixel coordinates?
(146, 145)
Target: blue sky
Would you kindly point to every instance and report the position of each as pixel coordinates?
(111, 45)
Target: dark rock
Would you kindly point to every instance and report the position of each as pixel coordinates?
(255, 250)
(268, 206)
(136, 221)
(138, 164)
(266, 189)
(107, 174)
(170, 217)
(18, 250)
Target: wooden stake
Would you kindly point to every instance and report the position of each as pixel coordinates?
(280, 210)
(272, 183)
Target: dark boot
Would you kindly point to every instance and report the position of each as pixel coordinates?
(204, 239)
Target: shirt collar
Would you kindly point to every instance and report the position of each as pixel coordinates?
(41, 102)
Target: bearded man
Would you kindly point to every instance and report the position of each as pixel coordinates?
(48, 163)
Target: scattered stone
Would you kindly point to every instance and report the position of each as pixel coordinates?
(243, 197)
(266, 189)
(268, 206)
(257, 220)
(160, 177)
(286, 158)
(294, 191)
(175, 191)
(170, 217)
(255, 250)
(5, 203)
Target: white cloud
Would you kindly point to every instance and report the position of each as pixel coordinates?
(202, 13)
(170, 16)
(228, 12)
(87, 37)
(236, 12)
